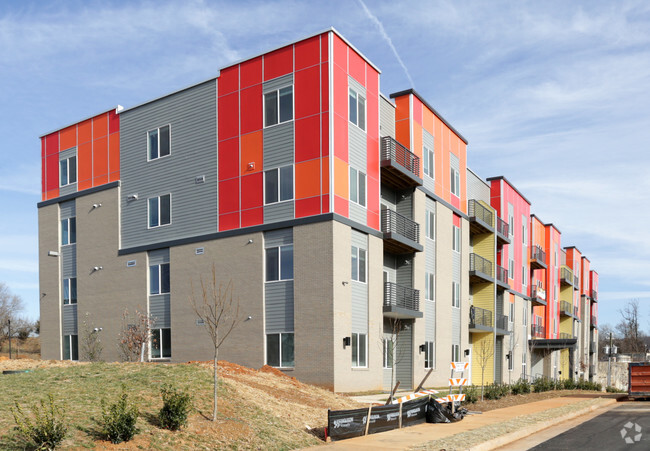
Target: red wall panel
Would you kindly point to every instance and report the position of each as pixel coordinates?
(52, 144)
(325, 124)
(228, 159)
(308, 53)
(357, 67)
(308, 207)
(254, 216)
(307, 138)
(228, 121)
(228, 221)
(113, 122)
(52, 172)
(229, 195)
(324, 84)
(251, 72)
(252, 190)
(325, 203)
(251, 109)
(324, 47)
(278, 63)
(307, 95)
(228, 80)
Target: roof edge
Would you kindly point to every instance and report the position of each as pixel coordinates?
(503, 177)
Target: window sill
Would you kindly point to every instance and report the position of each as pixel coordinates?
(158, 158)
(158, 226)
(275, 125)
(360, 368)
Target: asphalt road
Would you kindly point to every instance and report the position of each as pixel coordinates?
(604, 431)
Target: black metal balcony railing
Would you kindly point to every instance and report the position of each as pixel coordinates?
(594, 295)
(566, 276)
(538, 331)
(538, 294)
(565, 336)
(566, 308)
(502, 227)
(594, 321)
(480, 264)
(400, 296)
(392, 150)
(478, 211)
(393, 222)
(479, 317)
(538, 257)
(502, 274)
(502, 322)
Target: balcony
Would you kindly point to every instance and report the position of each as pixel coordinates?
(566, 309)
(594, 322)
(576, 283)
(537, 258)
(566, 276)
(401, 302)
(480, 320)
(400, 168)
(481, 219)
(538, 296)
(538, 331)
(502, 232)
(592, 347)
(502, 324)
(575, 312)
(480, 269)
(502, 278)
(565, 336)
(594, 295)
(401, 235)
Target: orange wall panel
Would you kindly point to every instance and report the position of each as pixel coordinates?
(341, 178)
(100, 161)
(252, 151)
(308, 179)
(114, 157)
(427, 120)
(325, 171)
(85, 165)
(85, 132)
(100, 126)
(402, 133)
(68, 137)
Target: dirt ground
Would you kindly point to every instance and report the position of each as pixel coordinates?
(515, 400)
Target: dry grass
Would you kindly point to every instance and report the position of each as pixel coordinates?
(29, 348)
(257, 409)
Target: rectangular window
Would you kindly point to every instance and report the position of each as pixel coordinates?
(512, 312)
(159, 279)
(525, 316)
(358, 263)
(455, 353)
(455, 182)
(388, 353)
(357, 109)
(161, 343)
(455, 244)
(429, 361)
(357, 187)
(160, 210)
(279, 263)
(511, 225)
(430, 225)
(523, 233)
(70, 347)
(68, 171)
(511, 363)
(278, 106)
(429, 286)
(455, 295)
(158, 141)
(511, 269)
(429, 162)
(278, 184)
(70, 291)
(523, 275)
(279, 350)
(359, 350)
(68, 231)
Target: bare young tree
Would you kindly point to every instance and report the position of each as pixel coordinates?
(135, 336)
(629, 329)
(219, 311)
(91, 345)
(393, 353)
(10, 306)
(484, 351)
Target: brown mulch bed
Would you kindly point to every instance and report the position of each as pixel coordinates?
(515, 400)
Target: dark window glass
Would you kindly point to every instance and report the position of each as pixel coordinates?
(362, 265)
(164, 278)
(155, 344)
(165, 209)
(166, 343)
(272, 269)
(355, 350)
(362, 189)
(286, 104)
(362, 350)
(73, 290)
(353, 107)
(362, 113)
(287, 350)
(66, 291)
(66, 347)
(154, 279)
(273, 349)
(354, 185)
(153, 212)
(286, 262)
(73, 230)
(355, 263)
(270, 108)
(74, 347)
(286, 183)
(72, 170)
(271, 186)
(64, 172)
(153, 144)
(164, 141)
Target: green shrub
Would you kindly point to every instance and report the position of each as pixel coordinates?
(119, 419)
(521, 387)
(543, 384)
(472, 394)
(495, 391)
(569, 384)
(47, 429)
(176, 407)
(611, 389)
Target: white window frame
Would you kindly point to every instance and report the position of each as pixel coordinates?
(277, 105)
(523, 275)
(511, 313)
(157, 130)
(511, 225)
(429, 286)
(67, 169)
(280, 353)
(149, 226)
(69, 284)
(429, 355)
(357, 95)
(429, 166)
(454, 182)
(455, 294)
(65, 225)
(280, 249)
(159, 278)
(511, 269)
(430, 225)
(356, 253)
(357, 363)
(69, 339)
(455, 242)
(388, 353)
(280, 179)
(361, 187)
(162, 350)
(455, 353)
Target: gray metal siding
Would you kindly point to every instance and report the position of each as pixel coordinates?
(455, 326)
(67, 209)
(388, 198)
(498, 361)
(191, 115)
(430, 320)
(386, 118)
(405, 205)
(279, 237)
(160, 310)
(69, 261)
(279, 306)
(72, 188)
(477, 188)
(280, 211)
(158, 257)
(427, 139)
(404, 356)
(454, 162)
(390, 266)
(455, 266)
(358, 213)
(278, 83)
(404, 272)
(70, 319)
(278, 145)
(359, 290)
(357, 145)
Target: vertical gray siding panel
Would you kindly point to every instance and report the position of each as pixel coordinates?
(160, 310)
(358, 213)
(68, 209)
(279, 306)
(278, 237)
(390, 266)
(428, 182)
(455, 326)
(477, 188)
(280, 211)
(427, 140)
(69, 261)
(430, 320)
(404, 356)
(454, 162)
(191, 114)
(357, 145)
(498, 361)
(359, 290)
(388, 198)
(455, 262)
(72, 188)
(70, 319)
(386, 117)
(278, 145)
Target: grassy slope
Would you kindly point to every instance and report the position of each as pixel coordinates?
(250, 414)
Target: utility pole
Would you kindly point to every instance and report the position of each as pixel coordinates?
(610, 351)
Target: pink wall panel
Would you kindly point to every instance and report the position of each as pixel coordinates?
(341, 137)
(340, 52)
(357, 67)
(341, 206)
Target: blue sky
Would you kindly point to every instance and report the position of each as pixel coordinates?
(554, 95)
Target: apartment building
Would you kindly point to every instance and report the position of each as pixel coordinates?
(307, 189)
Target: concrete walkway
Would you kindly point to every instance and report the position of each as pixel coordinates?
(423, 433)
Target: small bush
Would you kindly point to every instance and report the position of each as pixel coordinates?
(119, 419)
(47, 430)
(569, 384)
(472, 394)
(496, 391)
(611, 389)
(543, 384)
(176, 407)
(521, 387)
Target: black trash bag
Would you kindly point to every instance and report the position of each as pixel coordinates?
(458, 415)
(436, 413)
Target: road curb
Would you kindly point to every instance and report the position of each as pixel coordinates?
(537, 427)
